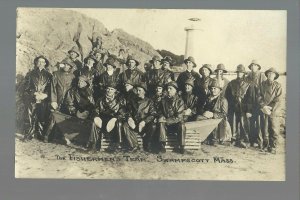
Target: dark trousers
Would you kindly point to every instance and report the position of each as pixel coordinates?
(178, 128)
(269, 130)
(239, 126)
(254, 128)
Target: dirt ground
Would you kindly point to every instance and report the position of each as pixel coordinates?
(36, 159)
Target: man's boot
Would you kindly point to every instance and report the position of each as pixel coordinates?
(181, 149)
(163, 147)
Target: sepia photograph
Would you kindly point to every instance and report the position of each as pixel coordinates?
(150, 94)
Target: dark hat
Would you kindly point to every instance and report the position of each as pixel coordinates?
(129, 82)
(240, 68)
(207, 66)
(74, 49)
(190, 82)
(173, 84)
(100, 51)
(216, 84)
(221, 67)
(68, 61)
(142, 85)
(110, 61)
(191, 59)
(132, 58)
(160, 84)
(111, 84)
(167, 59)
(83, 78)
(155, 58)
(254, 62)
(43, 57)
(272, 70)
(90, 57)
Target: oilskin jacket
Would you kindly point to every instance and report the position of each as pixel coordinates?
(172, 109)
(135, 76)
(202, 88)
(142, 110)
(155, 76)
(102, 81)
(184, 76)
(89, 73)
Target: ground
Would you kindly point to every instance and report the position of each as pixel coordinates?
(35, 159)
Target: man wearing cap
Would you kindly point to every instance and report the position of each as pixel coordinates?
(110, 75)
(252, 109)
(98, 55)
(202, 87)
(269, 99)
(140, 119)
(108, 118)
(222, 81)
(188, 74)
(155, 75)
(170, 118)
(74, 54)
(37, 95)
(167, 62)
(216, 107)
(234, 94)
(78, 103)
(132, 74)
(190, 101)
(62, 81)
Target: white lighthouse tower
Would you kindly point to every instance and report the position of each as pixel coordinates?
(192, 36)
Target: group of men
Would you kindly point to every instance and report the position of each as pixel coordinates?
(152, 104)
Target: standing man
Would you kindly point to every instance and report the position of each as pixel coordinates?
(202, 87)
(234, 94)
(188, 74)
(167, 62)
(190, 101)
(221, 80)
(74, 54)
(141, 114)
(170, 118)
(62, 81)
(98, 55)
(37, 96)
(255, 78)
(269, 99)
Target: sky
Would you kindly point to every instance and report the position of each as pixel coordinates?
(230, 37)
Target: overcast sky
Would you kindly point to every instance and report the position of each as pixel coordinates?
(231, 37)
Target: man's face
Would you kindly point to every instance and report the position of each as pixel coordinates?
(157, 64)
(189, 65)
(166, 65)
(81, 83)
(140, 92)
(171, 91)
(41, 63)
(254, 68)
(90, 63)
(67, 68)
(219, 72)
(128, 87)
(110, 91)
(240, 74)
(205, 72)
(271, 76)
(132, 64)
(73, 55)
(109, 68)
(159, 90)
(98, 56)
(215, 91)
(188, 88)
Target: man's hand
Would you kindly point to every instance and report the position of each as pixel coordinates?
(141, 125)
(131, 123)
(111, 124)
(248, 115)
(208, 114)
(98, 122)
(82, 115)
(187, 111)
(54, 105)
(266, 110)
(162, 119)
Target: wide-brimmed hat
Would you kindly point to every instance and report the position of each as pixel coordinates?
(160, 84)
(110, 61)
(190, 82)
(111, 84)
(83, 78)
(272, 70)
(100, 51)
(129, 82)
(142, 85)
(167, 59)
(221, 67)
(191, 59)
(240, 68)
(207, 66)
(68, 61)
(173, 84)
(155, 58)
(90, 57)
(43, 57)
(75, 49)
(216, 84)
(254, 62)
(132, 58)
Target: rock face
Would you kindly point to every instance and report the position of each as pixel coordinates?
(50, 32)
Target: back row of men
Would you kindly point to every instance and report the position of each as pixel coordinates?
(153, 103)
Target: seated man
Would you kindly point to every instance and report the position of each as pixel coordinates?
(216, 107)
(141, 114)
(78, 103)
(190, 101)
(171, 117)
(108, 117)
